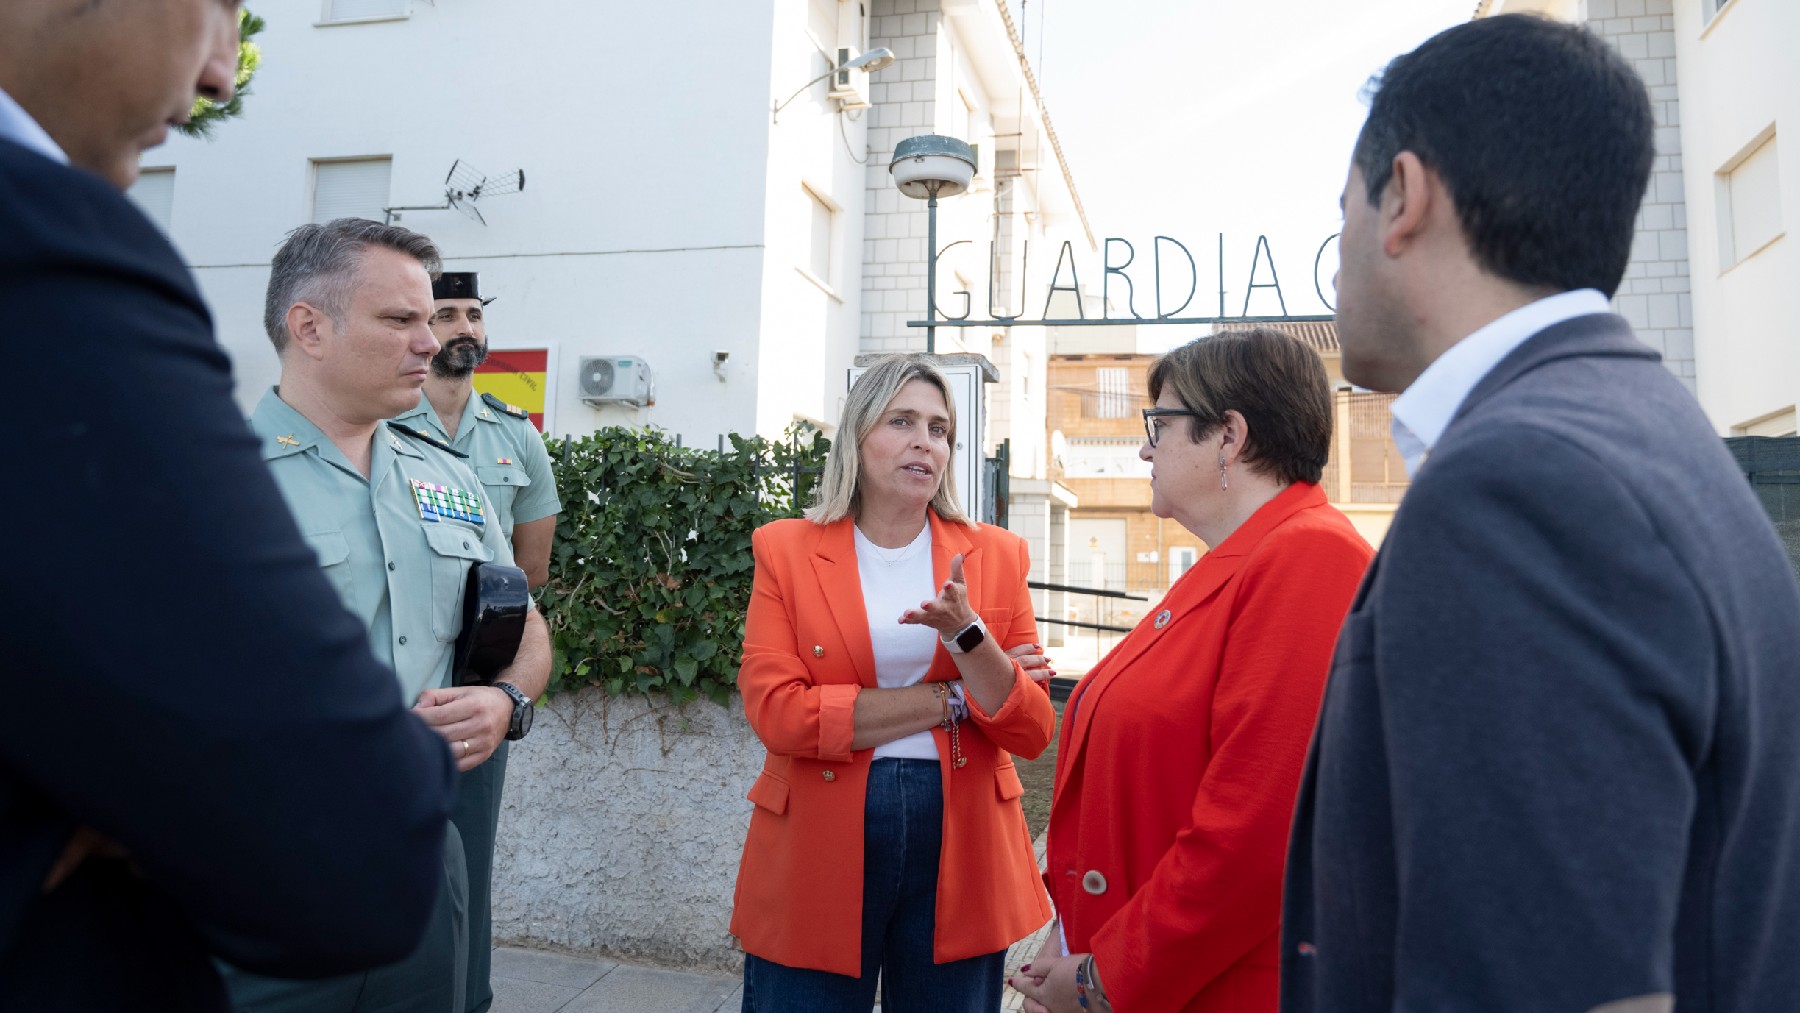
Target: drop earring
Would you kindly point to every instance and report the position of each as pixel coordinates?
(1222, 483)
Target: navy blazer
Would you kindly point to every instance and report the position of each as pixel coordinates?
(1558, 761)
(178, 674)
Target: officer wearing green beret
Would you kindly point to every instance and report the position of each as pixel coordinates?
(508, 456)
(397, 519)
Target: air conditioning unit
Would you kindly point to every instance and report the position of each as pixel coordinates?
(617, 379)
(849, 87)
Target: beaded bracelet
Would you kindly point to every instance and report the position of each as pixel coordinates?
(951, 725)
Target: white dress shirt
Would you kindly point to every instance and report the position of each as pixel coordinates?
(1424, 410)
(16, 125)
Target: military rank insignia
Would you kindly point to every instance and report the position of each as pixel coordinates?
(436, 502)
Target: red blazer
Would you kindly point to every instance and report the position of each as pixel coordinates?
(806, 657)
(1179, 761)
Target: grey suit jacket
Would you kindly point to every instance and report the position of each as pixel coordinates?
(1558, 761)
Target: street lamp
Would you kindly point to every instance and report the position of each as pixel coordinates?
(868, 63)
(925, 167)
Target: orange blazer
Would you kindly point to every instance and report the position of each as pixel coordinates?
(1180, 757)
(806, 657)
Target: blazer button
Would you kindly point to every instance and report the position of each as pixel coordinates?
(1093, 882)
(829, 775)
(818, 652)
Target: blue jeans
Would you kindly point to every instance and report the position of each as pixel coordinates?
(903, 833)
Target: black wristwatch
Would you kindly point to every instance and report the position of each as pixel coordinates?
(966, 639)
(523, 711)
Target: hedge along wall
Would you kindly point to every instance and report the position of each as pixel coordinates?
(624, 816)
(651, 569)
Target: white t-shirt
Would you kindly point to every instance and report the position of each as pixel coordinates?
(894, 580)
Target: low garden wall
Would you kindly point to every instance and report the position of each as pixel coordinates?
(621, 829)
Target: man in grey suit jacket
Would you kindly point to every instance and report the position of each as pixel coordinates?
(1558, 762)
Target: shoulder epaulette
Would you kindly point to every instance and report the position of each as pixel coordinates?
(501, 406)
(424, 437)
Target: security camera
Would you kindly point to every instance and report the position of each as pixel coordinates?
(720, 357)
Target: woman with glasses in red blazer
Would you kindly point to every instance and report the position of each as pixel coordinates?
(1180, 752)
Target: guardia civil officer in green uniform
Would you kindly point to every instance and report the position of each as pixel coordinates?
(508, 457)
(397, 519)
(504, 448)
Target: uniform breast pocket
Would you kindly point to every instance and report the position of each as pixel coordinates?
(503, 474)
(454, 548)
(333, 550)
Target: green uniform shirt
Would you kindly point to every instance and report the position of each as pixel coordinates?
(507, 455)
(397, 545)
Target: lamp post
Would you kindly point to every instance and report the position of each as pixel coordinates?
(925, 167)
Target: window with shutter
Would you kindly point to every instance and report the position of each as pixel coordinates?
(351, 189)
(1750, 203)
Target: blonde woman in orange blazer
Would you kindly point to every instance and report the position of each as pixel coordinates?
(886, 838)
(1181, 751)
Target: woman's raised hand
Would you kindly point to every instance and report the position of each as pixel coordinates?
(949, 612)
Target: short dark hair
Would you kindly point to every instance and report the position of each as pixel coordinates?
(1541, 132)
(315, 264)
(1275, 381)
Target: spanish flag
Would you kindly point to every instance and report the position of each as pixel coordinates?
(517, 377)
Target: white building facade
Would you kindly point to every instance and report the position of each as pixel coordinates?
(670, 212)
(667, 214)
(1712, 272)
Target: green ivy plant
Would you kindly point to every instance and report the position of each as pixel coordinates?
(651, 569)
(208, 114)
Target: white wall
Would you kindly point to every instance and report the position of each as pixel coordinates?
(811, 324)
(1739, 76)
(644, 134)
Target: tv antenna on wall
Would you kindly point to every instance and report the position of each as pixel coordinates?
(463, 186)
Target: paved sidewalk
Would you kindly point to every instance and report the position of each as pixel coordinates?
(538, 981)
(533, 981)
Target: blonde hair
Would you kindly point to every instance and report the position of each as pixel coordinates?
(838, 495)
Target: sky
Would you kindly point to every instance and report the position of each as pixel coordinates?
(1188, 118)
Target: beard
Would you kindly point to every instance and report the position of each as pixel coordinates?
(458, 358)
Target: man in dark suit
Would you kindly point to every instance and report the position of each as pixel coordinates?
(1557, 766)
(202, 756)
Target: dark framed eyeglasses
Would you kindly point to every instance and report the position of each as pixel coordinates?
(1152, 428)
